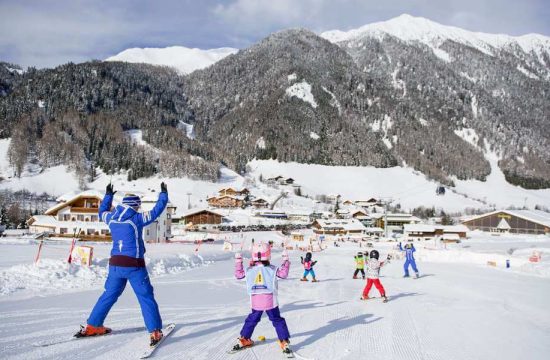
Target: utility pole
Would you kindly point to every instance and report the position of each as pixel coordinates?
(386, 203)
(188, 200)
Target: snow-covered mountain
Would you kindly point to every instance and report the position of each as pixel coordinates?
(451, 104)
(411, 29)
(185, 60)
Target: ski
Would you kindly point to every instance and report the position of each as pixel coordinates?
(166, 331)
(234, 351)
(74, 338)
(385, 300)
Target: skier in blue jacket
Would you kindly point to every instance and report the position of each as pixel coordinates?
(127, 263)
(409, 259)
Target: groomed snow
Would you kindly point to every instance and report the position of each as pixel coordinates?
(302, 91)
(497, 313)
(185, 60)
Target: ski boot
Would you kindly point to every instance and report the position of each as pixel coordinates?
(417, 275)
(303, 279)
(406, 275)
(155, 337)
(243, 344)
(314, 280)
(355, 276)
(90, 330)
(285, 346)
(364, 297)
(385, 299)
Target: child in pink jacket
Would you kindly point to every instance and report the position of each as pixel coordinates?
(261, 283)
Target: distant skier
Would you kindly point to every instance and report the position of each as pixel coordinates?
(373, 273)
(359, 265)
(261, 284)
(308, 267)
(409, 259)
(127, 263)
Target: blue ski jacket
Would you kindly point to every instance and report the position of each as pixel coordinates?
(409, 253)
(126, 225)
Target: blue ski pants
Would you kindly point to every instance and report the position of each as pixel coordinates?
(411, 263)
(114, 286)
(310, 271)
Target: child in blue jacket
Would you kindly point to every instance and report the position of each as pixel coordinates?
(409, 259)
(127, 262)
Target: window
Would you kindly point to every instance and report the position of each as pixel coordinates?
(63, 230)
(93, 218)
(104, 232)
(80, 217)
(147, 232)
(90, 231)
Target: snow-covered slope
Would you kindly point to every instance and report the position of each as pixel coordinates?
(410, 28)
(498, 313)
(185, 60)
(403, 185)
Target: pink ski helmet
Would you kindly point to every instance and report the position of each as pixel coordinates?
(261, 252)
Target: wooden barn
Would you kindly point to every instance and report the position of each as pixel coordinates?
(512, 221)
(202, 217)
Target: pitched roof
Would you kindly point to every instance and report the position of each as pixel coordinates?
(199, 210)
(345, 224)
(536, 216)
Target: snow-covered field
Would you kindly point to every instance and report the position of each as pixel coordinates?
(459, 309)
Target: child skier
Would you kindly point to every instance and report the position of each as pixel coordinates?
(127, 262)
(359, 265)
(261, 283)
(373, 271)
(308, 267)
(409, 259)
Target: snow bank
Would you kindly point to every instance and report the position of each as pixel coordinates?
(57, 276)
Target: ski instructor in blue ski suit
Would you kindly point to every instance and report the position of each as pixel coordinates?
(409, 259)
(127, 263)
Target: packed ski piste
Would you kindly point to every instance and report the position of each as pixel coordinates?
(189, 298)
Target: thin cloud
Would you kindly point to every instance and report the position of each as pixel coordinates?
(47, 33)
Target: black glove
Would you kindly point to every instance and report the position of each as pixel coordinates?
(109, 190)
(163, 187)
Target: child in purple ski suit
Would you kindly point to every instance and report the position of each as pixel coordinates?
(261, 283)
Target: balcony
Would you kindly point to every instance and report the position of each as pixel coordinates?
(84, 210)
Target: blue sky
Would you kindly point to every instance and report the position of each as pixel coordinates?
(45, 33)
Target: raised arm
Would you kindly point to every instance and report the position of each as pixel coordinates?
(147, 217)
(105, 206)
(239, 269)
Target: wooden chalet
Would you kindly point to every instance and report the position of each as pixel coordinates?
(202, 217)
(226, 201)
(512, 221)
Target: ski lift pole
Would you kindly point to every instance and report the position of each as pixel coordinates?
(70, 258)
(39, 251)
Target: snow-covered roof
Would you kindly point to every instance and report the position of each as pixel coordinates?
(65, 200)
(537, 216)
(51, 221)
(345, 224)
(199, 210)
(425, 228)
(374, 229)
